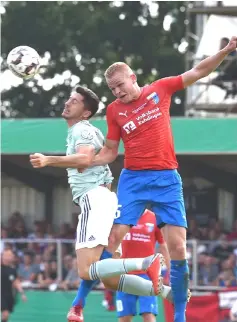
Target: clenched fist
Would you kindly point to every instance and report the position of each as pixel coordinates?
(232, 45)
(38, 160)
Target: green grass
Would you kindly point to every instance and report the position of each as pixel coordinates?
(53, 307)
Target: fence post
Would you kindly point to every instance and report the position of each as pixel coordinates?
(59, 259)
(195, 263)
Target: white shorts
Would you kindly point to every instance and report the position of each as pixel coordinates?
(98, 209)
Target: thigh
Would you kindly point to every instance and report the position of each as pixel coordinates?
(98, 206)
(126, 304)
(167, 199)
(132, 197)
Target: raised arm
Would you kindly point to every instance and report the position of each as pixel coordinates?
(206, 66)
(82, 159)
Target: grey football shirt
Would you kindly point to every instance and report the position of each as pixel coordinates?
(80, 134)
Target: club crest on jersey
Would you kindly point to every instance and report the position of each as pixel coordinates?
(150, 227)
(87, 135)
(154, 97)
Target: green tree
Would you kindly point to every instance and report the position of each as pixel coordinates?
(81, 39)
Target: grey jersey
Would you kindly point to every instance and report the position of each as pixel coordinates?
(83, 133)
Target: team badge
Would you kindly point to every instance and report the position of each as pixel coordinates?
(154, 97)
(86, 135)
(150, 227)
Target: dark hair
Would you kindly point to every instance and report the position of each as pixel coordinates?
(91, 100)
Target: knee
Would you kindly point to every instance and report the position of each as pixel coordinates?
(178, 250)
(83, 273)
(113, 242)
(148, 317)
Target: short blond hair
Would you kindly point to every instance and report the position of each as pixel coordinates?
(117, 67)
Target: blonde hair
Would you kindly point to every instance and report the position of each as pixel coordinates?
(117, 67)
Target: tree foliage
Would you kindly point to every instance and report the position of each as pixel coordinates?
(82, 39)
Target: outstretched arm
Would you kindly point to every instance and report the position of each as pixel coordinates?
(82, 159)
(206, 66)
(108, 153)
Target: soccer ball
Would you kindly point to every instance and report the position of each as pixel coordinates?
(23, 61)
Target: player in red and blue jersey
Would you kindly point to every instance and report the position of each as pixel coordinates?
(140, 117)
(140, 242)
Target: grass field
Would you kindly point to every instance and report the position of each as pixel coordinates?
(53, 306)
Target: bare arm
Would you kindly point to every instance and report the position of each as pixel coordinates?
(108, 153)
(206, 66)
(18, 287)
(82, 159)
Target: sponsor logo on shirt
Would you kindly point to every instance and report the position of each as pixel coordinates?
(124, 114)
(129, 127)
(139, 108)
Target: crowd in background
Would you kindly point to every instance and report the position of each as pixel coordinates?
(37, 262)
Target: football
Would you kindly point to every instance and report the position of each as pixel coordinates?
(23, 61)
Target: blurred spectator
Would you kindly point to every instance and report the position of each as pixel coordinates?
(27, 270)
(3, 236)
(233, 235)
(208, 270)
(193, 232)
(18, 230)
(66, 231)
(15, 218)
(48, 275)
(223, 250)
(226, 279)
(67, 265)
(50, 252)
(72, 279)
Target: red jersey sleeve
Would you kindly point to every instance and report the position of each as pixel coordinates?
(113, 127)
(171, 84)
(159, 236)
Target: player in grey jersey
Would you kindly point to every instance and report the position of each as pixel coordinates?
(98, 208)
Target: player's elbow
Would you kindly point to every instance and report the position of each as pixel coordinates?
(84, 162)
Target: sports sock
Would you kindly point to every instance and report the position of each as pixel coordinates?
(113, 267)
(136, 285)
(179, 277)
(86, 285)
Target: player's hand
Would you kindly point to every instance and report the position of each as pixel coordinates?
(24, 298)
(232, 45)
(38, 160)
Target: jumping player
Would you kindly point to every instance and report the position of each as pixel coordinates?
(140, 117)
(90, 190)
(141, 241)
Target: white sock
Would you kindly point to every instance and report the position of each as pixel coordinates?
(113, 267)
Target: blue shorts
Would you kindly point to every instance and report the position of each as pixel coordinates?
(160, 189)
(126, 304)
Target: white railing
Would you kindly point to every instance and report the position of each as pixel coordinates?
(192, 246)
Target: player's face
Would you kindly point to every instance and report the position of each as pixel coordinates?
(123, 86)
(74, 108)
